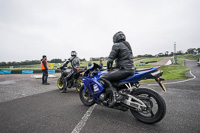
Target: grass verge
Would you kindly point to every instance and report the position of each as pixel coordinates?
(171, 72)
(156, 59)
(190, 56)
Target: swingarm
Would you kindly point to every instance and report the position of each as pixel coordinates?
(133, 102)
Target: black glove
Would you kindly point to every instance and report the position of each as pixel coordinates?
(61, 67)
(109, 64)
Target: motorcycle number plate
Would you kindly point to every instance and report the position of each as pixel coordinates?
(96, 88)
(162, 86)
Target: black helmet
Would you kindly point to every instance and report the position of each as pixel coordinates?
(119, 36)
(73, 53)
(44, 56)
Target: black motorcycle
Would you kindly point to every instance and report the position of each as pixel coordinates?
(75, 80)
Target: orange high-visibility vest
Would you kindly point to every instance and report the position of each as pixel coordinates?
(42, 65)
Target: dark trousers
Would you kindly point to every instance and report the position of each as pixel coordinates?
(68, 79)
(116, 75)
(44, 76)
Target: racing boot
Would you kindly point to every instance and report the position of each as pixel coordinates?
(116, 97)
(64, 90)
(70, 84)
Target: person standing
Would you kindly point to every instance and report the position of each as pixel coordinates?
(44, 68)
(101, 63)
(89, 65)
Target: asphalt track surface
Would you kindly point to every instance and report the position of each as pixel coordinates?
(162, 62)
(27, 106)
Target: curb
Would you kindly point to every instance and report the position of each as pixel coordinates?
(180, 81)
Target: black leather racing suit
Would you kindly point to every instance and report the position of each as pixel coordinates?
(75, 63)
(122, 54)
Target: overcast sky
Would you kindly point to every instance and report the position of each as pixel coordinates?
(32, 28)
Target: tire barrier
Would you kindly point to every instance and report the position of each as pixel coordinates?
(141, 64)
(25, 71)
(51, 71)
(29, 71)
(148, 62)
(5, 71)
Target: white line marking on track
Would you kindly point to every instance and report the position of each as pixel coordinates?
(84, 119)
(194, 77)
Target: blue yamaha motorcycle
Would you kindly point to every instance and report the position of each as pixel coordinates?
(145, 104)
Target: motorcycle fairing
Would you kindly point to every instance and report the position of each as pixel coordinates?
(90, 82)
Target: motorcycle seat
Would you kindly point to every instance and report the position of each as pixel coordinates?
(143, 69)
(127, 80)
(121, 83)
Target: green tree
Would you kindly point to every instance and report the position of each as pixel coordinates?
(166, 53)
(179, 52)
(56, 61)
(198, 49)
(3, 64)
(83, 59)
(191, 50)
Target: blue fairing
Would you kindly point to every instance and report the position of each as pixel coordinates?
(140, 75)
(88, 81)
(95, 88)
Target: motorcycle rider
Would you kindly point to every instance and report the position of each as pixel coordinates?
(75, 63)
(122, 54)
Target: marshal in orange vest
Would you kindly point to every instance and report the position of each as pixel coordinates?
(42, 65)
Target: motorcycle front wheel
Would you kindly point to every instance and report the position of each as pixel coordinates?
(156, 107)
(61, 84)
(85, 97)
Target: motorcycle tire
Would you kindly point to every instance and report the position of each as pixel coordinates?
(84, 97)
(78, 84)
(148, 116)
(61, 84)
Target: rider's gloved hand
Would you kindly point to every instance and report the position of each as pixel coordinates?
(61, 67)
(109, 64)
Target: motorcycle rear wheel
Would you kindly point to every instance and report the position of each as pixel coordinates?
(86, 99)
(78, 84)
(156, 107)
